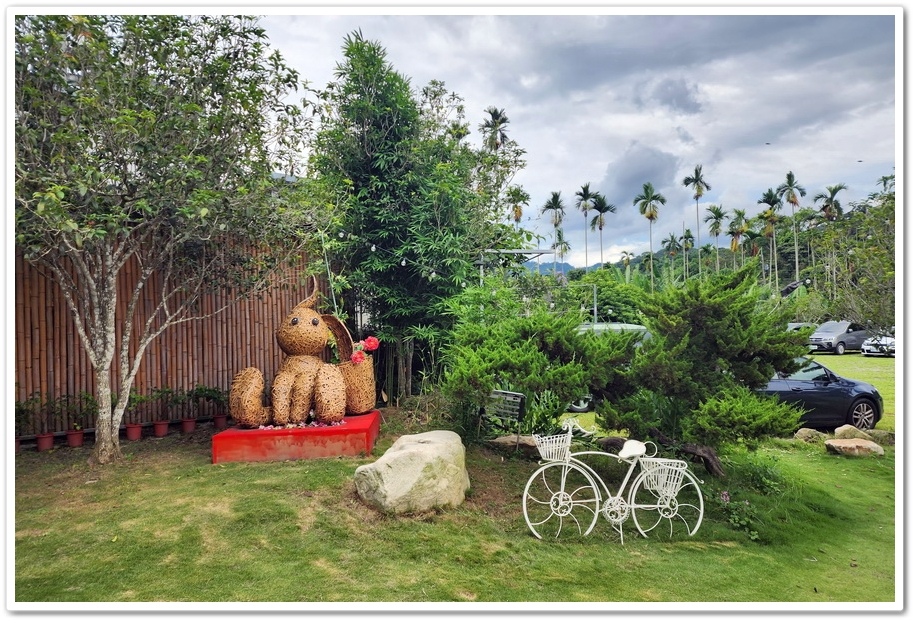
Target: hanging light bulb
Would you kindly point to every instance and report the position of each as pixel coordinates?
(372, 248)
(403, 262)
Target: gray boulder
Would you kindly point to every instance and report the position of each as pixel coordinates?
(417, 473)
(853, 447)
(847, 431)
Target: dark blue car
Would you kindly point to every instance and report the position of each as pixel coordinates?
(829, 400)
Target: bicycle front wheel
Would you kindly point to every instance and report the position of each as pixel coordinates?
(677, 509)
(561, 499)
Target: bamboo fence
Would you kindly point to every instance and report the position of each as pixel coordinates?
(50, 359)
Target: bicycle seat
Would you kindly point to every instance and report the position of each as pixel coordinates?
(632, 448)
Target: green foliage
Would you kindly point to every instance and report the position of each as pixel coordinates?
(617, 301)
(502, 340)
(420, 206)
(28, 413)
(738, 513)
(713, 342)
(75, 411)
(715, 333)
(739, 415)
(154, 141)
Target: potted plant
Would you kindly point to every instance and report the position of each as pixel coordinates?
(217, 398)
(132, 424)
(26, 412)
(181, 400)
(77, 412)
(161, 423)
(41, 424)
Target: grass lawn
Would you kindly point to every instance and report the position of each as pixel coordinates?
(165, 526)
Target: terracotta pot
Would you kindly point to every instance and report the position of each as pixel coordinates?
(161, 428)
(188, 424)
(45, 441)
(219, 421)
(134, 431)
(74, 438)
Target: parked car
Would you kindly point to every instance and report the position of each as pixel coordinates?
(884, 345)
(585, 404)
(829, 400)
(837, 336)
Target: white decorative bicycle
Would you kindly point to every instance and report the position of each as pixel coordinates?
(566, 493)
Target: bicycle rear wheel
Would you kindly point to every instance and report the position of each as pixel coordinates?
(677, 510)
(561, 500)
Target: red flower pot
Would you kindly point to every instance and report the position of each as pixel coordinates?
(134, 431)
(45, 441)
(219, 421)
(188, 424)
(74, 438)
(161, 428)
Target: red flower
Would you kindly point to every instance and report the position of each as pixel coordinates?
(358, 356)
(371, 342)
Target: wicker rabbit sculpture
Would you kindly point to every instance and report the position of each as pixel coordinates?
(305, 385)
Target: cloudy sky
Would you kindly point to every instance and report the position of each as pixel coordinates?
(616, 100)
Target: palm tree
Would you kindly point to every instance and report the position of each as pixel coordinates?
(601, 207)
(648, 203)
(708, 250)
(768, 218)
(626, 256)
(560, 246)
(517, 198)
(699, 186)
(687, 244)
(737, 228)
(494, 128)
(715, 216)
(830, 207)
(790, 191)
(672, 246)
(771, 199)
(557, 210)
(585, 201)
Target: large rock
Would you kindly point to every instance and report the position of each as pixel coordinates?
(417, 473)
(853, 447)
(848, 431)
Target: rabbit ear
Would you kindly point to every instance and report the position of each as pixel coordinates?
(313, 297)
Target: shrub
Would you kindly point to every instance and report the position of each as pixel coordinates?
(740, 415)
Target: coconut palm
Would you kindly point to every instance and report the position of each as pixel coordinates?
(715, 216)
(585, 201)
(791, 191)
(557, 211)
(601, 207)
(686, 241)
(771, 199)
(699, 186)
(517, 198)
(648, 203)
(494, 128)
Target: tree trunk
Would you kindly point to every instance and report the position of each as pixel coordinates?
(405, 367)
(708, 455)
(710, 459)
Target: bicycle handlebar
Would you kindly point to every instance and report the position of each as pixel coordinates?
(573, 424)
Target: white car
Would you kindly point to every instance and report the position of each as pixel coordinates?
(880, 345)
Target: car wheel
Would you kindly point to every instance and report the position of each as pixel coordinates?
(862, 414)
(583, 405)
(840, 348)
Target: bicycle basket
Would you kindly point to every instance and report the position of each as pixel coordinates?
(663, 476)
(553, 447)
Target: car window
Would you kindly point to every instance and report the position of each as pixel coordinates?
(810, 372)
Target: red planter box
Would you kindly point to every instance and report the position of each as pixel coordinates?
(355, 436)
